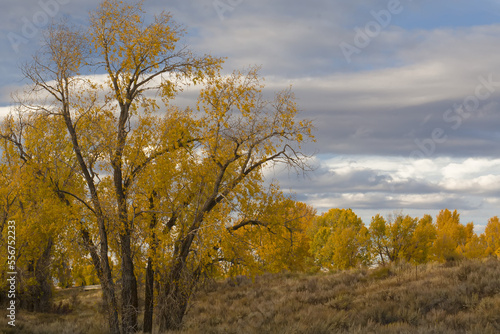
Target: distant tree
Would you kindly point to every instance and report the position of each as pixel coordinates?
(394, 239)
(283, 245)
(451, 235)
(492, 236)
(422, 240)
(475, 247)
(339, 240)
(400, 233)
(379, 240)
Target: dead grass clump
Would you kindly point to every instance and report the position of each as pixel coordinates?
(488, 311)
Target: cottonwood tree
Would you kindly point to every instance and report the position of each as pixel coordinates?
(379, 239)
(455, 240)
(137, 58)
(171, 182)
(283, 243)
(421, 244)
(35, 156)
(451, 235)
(339, 240)
(400, 231)
(476, 246)
(492, 236)
(215, 192)
(395, 239)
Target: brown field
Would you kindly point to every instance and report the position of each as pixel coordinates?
(459, 297)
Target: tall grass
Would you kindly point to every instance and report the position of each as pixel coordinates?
(461, 297)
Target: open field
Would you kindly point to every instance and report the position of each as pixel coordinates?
(436, 298)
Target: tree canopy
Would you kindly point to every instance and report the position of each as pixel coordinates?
(148, 191)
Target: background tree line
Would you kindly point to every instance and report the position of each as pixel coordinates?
(339, 239)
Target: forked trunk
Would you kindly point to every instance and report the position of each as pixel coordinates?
(175, 294)
(173, 301)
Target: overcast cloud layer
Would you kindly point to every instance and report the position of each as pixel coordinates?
(405, 95)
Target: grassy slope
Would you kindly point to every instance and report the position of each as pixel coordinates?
(461, 298)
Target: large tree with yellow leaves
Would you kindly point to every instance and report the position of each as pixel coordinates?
(179, 192)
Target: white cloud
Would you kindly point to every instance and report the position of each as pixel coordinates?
(470, 167)
(4, 111)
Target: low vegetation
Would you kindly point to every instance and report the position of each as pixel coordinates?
(452, 297)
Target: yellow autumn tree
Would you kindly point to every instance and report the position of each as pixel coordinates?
(379, 240)
(400, 238)
(213, 195)
(278, 243)
(339, 240)
(451, 235)
(492, 236)
(42, 214)
(423, 238)
(178, 193)
(475, 247)
(100, 119)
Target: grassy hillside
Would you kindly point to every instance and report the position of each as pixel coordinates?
(437, 298)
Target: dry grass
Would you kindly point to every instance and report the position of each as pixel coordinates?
(75, 312)
(458, 298)
(462, 298)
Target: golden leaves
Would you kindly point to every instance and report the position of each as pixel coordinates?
(121, 167)
(339, 240)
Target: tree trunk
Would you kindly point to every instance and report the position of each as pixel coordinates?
(101, 265)
(43, 295)
(130, 305)
(108, 287)
(178, 287)
(173, 300)
(174, 308)
(149, 290)
(109, 297)
(148, 298)
(39, 293)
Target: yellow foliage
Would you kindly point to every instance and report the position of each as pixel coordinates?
(103, 172)
(492, 235)
(339, 240)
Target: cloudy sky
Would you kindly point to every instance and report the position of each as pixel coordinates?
(404, 94)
